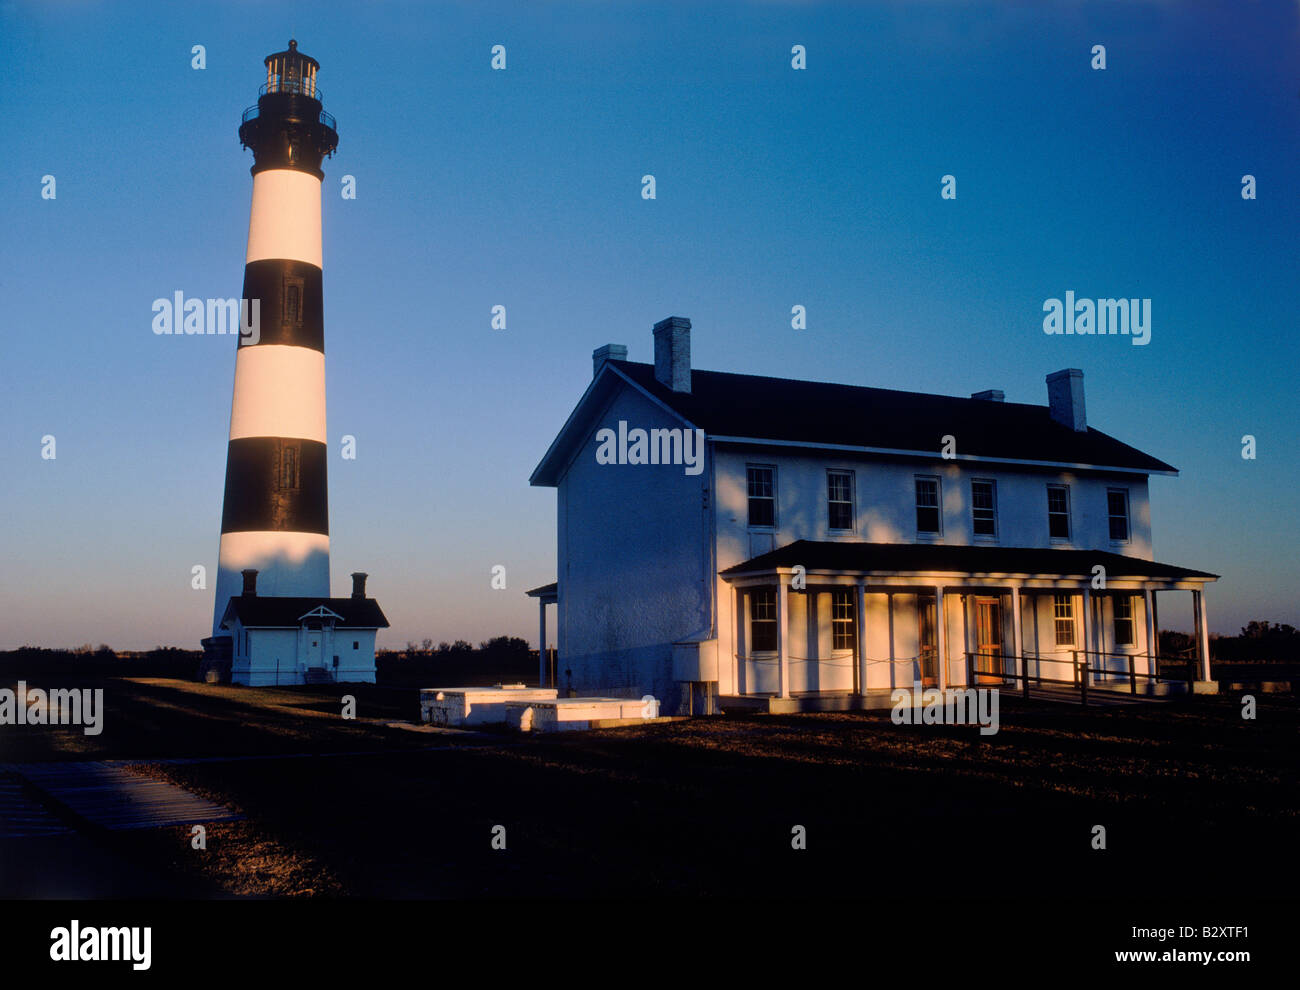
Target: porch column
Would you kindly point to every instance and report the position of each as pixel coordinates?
(783, 637)
(941, 638)
(1017, 646)
(743, 645)
(1034, 601)
(1202, 634)
(541, 643)
(860, 613)
(1153, 648)
(893, 656)
(1086, 619)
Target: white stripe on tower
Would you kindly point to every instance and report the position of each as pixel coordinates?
(279, 392)
(284, 221)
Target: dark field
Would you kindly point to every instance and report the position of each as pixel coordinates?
(1194, 799)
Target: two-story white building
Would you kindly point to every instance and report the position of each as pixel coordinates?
(726, 536)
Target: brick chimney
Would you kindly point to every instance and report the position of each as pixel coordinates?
(1065, 399)
(606, 352)
(359, 584)
(990, 395)
(673, 353)
(250, 582)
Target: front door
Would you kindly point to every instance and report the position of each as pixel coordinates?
(988, 636)
(929, 642)
(315, 647)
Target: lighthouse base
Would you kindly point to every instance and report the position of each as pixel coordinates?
(214, 668)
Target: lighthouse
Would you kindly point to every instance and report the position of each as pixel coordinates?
(275, 545)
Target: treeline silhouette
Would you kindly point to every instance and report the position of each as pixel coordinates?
(102, 661)
(502, 658)
(458, 664)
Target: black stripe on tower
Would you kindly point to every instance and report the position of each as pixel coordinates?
(291, 307)
(274, 483)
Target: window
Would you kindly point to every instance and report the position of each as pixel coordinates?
(762, 620)
(927, 505)
(1063, 611)
(839, 507)
(762, 496)
(356, 645)
(1117, 509)
(842, 619)
(1124, 621)
(289, 466)
(293, 300)
(1058, 512)
(984, 508)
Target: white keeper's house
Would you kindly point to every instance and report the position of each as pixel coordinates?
(828, 542)
(302, 640)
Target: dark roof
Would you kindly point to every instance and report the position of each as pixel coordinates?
(259, 610)
(751, 406)
(545, 590)
(948, 558)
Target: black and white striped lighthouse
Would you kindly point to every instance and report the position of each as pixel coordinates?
(275, 518)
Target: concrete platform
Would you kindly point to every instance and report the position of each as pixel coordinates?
(570, 714)
(459, 707)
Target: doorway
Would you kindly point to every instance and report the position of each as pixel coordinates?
(929, 643)
(988, 641)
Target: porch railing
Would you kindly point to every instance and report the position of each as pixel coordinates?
(1082, 671)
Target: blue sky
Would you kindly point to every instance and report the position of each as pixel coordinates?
(522, 188)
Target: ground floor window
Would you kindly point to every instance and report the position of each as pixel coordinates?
(1124, 621)
(762, 620)
(842, 619)
(1063, 611)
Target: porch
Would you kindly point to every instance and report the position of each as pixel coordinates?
(842, 625)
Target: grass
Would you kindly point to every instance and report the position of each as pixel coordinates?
(1189, 793)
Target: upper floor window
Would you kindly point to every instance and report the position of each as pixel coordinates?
(762, 620)
(842, 619)
(1117, 510)
(1063, 612)
(1058, 511)
(762, 495)
(1124, 621)
(984, 508)
(839, 506)
(927, 505)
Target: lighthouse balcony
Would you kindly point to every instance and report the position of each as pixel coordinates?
(254, 111)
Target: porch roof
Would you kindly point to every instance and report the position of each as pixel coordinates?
(943, 558)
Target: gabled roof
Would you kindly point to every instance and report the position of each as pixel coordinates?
(944, 558)
(753, 408)
(281, 612)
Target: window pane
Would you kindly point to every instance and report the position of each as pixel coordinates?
(762, 620)
(1058, 512)
(842, 609)
(1063, 610)
(762, 501)
(983, 510)
(927, 505)
(1117, 503)
(840, 500)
